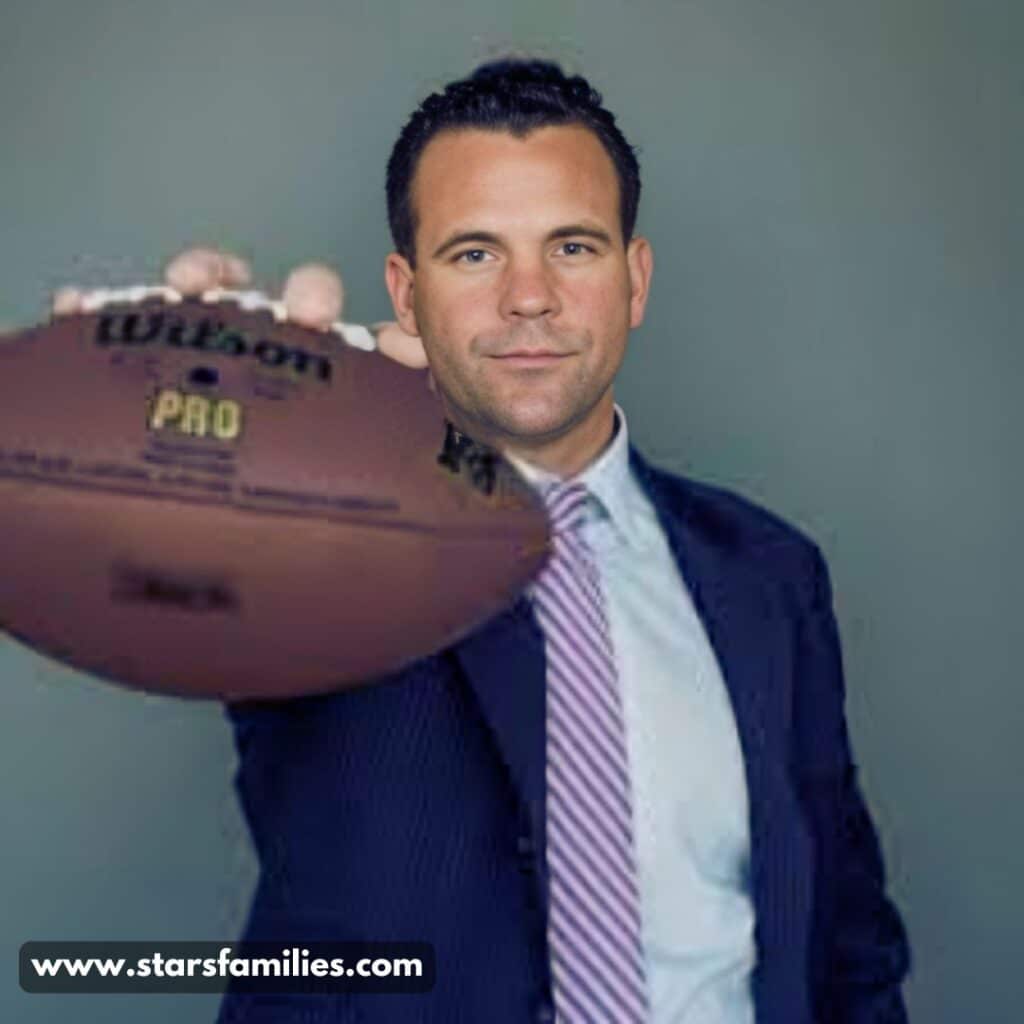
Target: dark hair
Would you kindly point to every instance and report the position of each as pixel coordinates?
(514, 95)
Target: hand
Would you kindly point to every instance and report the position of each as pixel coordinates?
(313, 295)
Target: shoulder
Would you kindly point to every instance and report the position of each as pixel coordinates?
(744, 533)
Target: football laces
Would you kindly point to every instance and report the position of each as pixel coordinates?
(356, 335)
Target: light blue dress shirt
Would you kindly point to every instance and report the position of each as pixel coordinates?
(689, 788)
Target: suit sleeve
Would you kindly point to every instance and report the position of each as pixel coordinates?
(861, 949)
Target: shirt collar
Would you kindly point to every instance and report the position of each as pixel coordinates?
(607, 478)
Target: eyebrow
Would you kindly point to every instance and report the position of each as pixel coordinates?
(565, 231)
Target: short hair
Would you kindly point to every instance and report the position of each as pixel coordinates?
(515, 95)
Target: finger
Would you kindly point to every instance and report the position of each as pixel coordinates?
(66, 300)
(314, 295)
(235, 272)
(194, 271)
(200, 269)
(396, 344)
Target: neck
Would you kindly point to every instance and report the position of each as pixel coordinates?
(565, 454)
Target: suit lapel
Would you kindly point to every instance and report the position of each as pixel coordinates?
(749, 633)
(504, 663)
(743, 628)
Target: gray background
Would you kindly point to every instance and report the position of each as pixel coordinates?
(830, 191)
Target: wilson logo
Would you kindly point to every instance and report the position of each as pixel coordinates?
(209, 336)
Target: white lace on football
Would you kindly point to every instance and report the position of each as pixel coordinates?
(100, 297)
(355, 335)
(251, 301)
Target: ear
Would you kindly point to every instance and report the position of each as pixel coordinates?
(640, 261)
(399, 277)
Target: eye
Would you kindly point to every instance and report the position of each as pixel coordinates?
(578, 245)
(470, 252)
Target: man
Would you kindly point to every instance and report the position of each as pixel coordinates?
(631, 795)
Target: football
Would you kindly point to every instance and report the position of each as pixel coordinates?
(201, 499)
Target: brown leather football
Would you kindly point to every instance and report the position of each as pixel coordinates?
(197, 499)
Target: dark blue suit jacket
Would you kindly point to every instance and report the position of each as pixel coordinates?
(413, 809)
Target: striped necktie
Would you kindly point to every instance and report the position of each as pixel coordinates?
(594, 922)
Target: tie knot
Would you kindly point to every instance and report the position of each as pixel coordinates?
(566, 504)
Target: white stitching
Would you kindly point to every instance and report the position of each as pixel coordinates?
(355, 335)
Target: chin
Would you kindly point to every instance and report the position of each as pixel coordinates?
(527, 426)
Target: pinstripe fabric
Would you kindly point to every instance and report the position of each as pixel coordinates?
(594, 924)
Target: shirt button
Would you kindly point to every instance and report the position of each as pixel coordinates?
(545, 1014)
(525, 845)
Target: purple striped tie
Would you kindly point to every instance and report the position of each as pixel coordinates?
(594, 924)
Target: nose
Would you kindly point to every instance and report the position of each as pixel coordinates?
(529, 290)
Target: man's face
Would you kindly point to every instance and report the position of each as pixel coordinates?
(519, 248)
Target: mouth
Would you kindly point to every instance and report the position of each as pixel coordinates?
(522, 359)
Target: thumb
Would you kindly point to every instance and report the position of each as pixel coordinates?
(404, 348)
